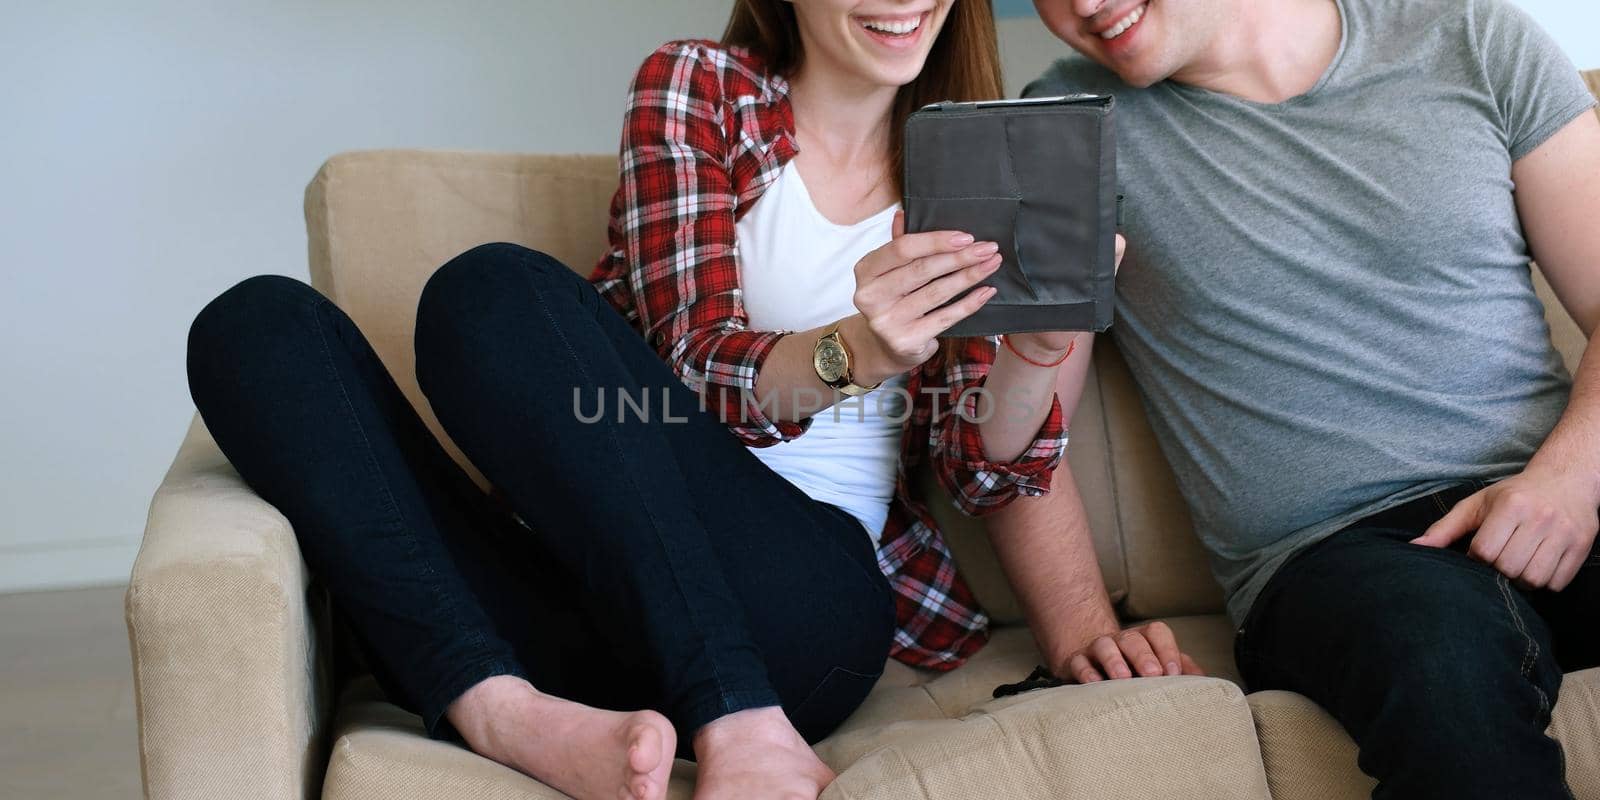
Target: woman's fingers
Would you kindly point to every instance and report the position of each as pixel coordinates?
(934, 267)
(939, 321)
(907, 248)
(925, 286)
(911, 276)
(939, 291)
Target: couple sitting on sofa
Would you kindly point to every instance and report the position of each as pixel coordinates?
(1326, 303)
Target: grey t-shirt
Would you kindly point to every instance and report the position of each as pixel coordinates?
(1326, 302)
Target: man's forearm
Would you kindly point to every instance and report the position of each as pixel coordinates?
(1574, 443)
(1045, 549)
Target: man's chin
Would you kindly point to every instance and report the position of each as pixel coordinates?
(1138, 75)
(1139, 80)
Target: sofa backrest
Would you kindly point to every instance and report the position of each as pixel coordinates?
(380, 222)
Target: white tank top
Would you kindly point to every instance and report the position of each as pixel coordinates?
(797, 272)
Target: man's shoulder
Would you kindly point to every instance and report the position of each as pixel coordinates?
(1437, 11)
(1072, 74)
(1447, 24)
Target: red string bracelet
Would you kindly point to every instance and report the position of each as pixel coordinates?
(1071, 344)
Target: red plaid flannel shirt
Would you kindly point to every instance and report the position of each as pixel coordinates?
(706, 131)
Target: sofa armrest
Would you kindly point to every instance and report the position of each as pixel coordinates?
(229, 678)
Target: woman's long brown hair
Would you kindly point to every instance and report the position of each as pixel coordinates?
(964, 63)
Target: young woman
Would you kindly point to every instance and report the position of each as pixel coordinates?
(688, 551)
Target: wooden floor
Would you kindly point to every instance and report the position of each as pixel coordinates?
(67, 727)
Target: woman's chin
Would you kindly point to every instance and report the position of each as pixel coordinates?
(895, 75)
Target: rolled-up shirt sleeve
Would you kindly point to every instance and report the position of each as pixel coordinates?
(955, 437)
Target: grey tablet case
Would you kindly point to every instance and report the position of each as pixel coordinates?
(1039, 177)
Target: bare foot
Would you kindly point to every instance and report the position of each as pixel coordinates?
(585, 752)
(757, 755)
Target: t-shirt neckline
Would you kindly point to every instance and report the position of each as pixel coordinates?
(791, 172)
(1316, 88)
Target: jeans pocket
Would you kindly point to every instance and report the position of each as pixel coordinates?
(836, 697)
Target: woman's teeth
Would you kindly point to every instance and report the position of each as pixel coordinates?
(1126, 23)
(893, 27)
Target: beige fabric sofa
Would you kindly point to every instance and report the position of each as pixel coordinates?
(231, 644)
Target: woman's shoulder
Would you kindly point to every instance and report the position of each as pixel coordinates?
(700, 66)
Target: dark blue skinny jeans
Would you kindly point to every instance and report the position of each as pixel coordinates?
(1441, 669)
(621, 563)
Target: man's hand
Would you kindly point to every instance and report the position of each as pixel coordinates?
(1535, 528)
(1047, 346)
(1151, 649)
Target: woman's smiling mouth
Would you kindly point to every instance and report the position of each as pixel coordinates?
(896, 31)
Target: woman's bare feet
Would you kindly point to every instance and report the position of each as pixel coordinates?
(588, 753)
(757, 755)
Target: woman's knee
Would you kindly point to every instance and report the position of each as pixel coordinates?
(457, 312)
(250, 314)
(485, 272)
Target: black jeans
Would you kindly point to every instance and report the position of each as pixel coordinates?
(1440, 668)
(647, 564)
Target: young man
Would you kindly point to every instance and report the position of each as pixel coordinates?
(1326, 304)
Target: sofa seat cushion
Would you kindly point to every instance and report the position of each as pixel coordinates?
(1165, 737)
(1011, 654)
(1309, 756)
(918, 735)
(381, 753)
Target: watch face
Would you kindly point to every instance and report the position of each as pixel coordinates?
(829, 360)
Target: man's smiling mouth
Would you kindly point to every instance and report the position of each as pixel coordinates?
(1122, 25)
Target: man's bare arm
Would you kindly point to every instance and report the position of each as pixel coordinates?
(1538, 526)
(1045, 549)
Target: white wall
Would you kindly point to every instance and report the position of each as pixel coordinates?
(152, 154)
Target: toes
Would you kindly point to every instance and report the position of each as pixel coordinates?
(644, 749)
(640, 788)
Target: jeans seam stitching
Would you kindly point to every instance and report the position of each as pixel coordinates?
(442, 598)
(1531, 652)
(611, 434)
(344, 394)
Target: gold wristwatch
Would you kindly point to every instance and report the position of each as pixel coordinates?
(831, 359)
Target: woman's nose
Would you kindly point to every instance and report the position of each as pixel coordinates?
(1087, 8)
